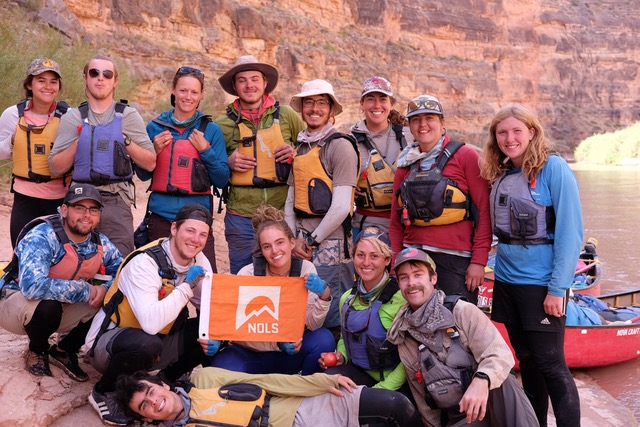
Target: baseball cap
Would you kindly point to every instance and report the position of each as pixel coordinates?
(424, 104)
(376, 84)
(195, 211)
(78, 192)
(41, 65)
(413, 254)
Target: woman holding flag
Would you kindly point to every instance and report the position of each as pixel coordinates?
(274, 258)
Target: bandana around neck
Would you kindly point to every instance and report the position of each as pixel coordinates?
(424, 323)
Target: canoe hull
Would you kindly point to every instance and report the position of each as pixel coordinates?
(594, 346)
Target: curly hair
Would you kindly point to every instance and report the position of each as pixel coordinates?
(396, 117)
(268, 216)
(495, 162)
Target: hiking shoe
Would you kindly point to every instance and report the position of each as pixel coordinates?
(108, 408)
(68, 362)
(38, 363)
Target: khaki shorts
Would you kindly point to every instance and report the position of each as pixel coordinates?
(17, 311)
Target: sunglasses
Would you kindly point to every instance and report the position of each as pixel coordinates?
(424, 103)
(190, 70)
(31, 128)
(108, 74)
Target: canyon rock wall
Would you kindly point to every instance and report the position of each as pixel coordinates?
(574, 62)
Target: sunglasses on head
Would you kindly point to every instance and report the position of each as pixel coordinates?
(108, 74)
(190, 70)
(424, 103)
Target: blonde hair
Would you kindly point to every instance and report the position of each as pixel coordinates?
(495, 162)
(372, 235)
(268, 216)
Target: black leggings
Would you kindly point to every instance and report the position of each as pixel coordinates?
(385, 407)
(134, 350)
(45, 321)
(545, 374)
(26, 208)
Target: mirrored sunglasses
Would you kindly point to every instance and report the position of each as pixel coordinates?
(424, 103)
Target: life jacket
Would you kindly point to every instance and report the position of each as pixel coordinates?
(429, 198)
(116, 304)
(364, 335)
(313, 186)
(72, 266)
(260, 145)
(260, 266)
(232, 405)
(446, 381)
(376, 180)
(32, 144)
(101, 157)
(517, 218)
(179, 168)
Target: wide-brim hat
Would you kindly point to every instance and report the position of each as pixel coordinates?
(249, 63)
(315, 87)
(413, 254)
(78, 192)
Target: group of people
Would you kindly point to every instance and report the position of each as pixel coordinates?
(390, 225)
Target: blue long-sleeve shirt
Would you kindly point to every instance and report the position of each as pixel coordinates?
(548, 265)
(40, 249)
(214, 158)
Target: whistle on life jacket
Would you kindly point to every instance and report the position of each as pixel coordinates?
(405, 217)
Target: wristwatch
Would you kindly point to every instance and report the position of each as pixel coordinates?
(482, 376)
(127, 141)
(310, 240)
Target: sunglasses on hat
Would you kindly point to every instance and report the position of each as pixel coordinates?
(424, 103)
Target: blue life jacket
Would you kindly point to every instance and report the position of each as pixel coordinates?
(101, 157)
(364, 335)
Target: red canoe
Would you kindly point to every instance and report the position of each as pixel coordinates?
(591, 346)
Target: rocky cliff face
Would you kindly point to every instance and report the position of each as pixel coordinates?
(574, 62)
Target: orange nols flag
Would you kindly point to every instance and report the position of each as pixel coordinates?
(253, 308)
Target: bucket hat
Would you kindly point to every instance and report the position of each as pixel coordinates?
(315, 87)
(424, 104)
(249, 63)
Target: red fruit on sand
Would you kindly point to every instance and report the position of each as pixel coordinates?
(330, 360)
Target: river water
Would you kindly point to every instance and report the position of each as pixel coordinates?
(611, 210)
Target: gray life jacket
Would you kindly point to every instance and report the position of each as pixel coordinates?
(446, 381)
(517, 218)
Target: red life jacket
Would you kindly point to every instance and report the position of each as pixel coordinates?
(72, 266)
(179, 168)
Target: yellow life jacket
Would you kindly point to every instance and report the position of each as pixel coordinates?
(116, 304)
(260, 145)
(313, 187)
(32, 144)
(376, 180)
(428, 198)
(232, 405)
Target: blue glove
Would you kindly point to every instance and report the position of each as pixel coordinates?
(212, 347)
(194, 275)
(287, 347)
(315, 284)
